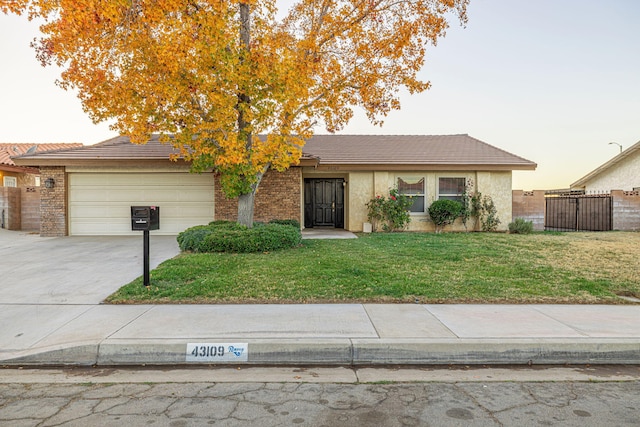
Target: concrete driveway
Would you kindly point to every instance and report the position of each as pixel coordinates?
(73, 270)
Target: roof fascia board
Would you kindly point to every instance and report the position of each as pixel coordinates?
(118, 163)
(19, 169)
(94, 162)
(414, 167)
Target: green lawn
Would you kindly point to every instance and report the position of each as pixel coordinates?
(405, 267)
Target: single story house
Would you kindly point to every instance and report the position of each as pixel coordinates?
(330, 187)
(620, 173)
(20, 186)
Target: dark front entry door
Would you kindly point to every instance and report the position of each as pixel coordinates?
(324, 202)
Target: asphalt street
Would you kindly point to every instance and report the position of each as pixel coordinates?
(479, 396)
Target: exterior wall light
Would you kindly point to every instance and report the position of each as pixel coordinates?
(49, 183)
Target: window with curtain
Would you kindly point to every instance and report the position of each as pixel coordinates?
(414, 187)
(451, 188)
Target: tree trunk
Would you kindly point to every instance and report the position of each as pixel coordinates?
(245, 208)
(246, 201)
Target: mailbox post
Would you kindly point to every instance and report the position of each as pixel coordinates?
(145, 218)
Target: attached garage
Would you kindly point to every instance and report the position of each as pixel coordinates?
(99, 203)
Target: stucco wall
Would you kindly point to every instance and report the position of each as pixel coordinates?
(623, 176)
(363, 186)
(361, 189)
(498, 186)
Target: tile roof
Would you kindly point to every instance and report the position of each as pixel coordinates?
(422, 151)
(405, 150)
(115, 148)
(9, 150)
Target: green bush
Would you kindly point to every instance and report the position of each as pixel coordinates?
(521, 226)
(291, 222)
(226, 236)
(444, 212)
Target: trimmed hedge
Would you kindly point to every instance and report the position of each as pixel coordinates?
(227, 236)
(291, 222)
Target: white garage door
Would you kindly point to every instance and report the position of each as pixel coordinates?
(100, 203)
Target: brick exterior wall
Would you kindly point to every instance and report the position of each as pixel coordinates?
(53, 202)
(626, 210)
(529, 205)
(10, 217)
(278, 197)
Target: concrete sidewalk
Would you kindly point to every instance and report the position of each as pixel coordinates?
(340, 334)
(50, 312)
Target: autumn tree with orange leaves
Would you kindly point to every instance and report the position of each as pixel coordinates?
(212, 75)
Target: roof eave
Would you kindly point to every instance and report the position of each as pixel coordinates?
(18, 169)
(425, 167)
(38, 162)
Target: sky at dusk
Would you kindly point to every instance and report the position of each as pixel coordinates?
(553, 81)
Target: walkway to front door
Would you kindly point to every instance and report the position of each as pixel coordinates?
(324, 202)
(327, 233)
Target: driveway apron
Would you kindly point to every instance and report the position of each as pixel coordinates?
(73, 270)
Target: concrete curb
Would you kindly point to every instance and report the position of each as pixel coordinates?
(344, 352)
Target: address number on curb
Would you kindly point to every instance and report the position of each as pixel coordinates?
(217, 352)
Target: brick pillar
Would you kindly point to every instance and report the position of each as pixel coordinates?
(53, 202)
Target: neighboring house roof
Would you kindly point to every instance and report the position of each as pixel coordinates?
(9, 150)
(606, 166)
(352, 151)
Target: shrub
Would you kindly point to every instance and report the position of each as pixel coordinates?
(391, 212)
(521, 226)
(485, 210)
(291, 222)
(444, 212)
(190, 239)
(226, 236)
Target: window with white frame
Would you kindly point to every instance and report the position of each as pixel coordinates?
(451, 188)
(9, 181)
(414, 187)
